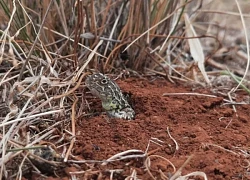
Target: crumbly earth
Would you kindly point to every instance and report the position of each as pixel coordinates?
(206, 128)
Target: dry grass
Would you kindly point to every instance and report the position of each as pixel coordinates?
(47, 48)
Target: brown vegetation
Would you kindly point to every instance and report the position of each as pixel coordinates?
(51, 126)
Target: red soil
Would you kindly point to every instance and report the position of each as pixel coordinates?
(205, 127)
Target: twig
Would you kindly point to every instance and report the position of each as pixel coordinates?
(194, 94)
(178, 172)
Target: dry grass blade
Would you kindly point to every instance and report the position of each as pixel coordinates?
(195, 48)
(247, 44)
(33, 45)
(148, 164)
(73, 130)
(176, 144)
(29, 117)
(197, 173)
(151, 28)
(122, 155)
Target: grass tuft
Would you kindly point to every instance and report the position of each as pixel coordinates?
(48, 47)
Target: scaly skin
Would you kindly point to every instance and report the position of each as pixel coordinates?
(113, 101)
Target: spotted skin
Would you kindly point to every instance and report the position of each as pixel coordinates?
(113, 101)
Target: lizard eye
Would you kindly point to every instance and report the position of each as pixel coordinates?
(104, 81)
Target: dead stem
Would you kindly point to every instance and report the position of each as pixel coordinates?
(73, 126)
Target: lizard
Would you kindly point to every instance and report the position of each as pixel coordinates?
(113, 100)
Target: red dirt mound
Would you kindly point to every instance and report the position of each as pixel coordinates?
(206, 128)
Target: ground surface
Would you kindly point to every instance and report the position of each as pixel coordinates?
(200, 125)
